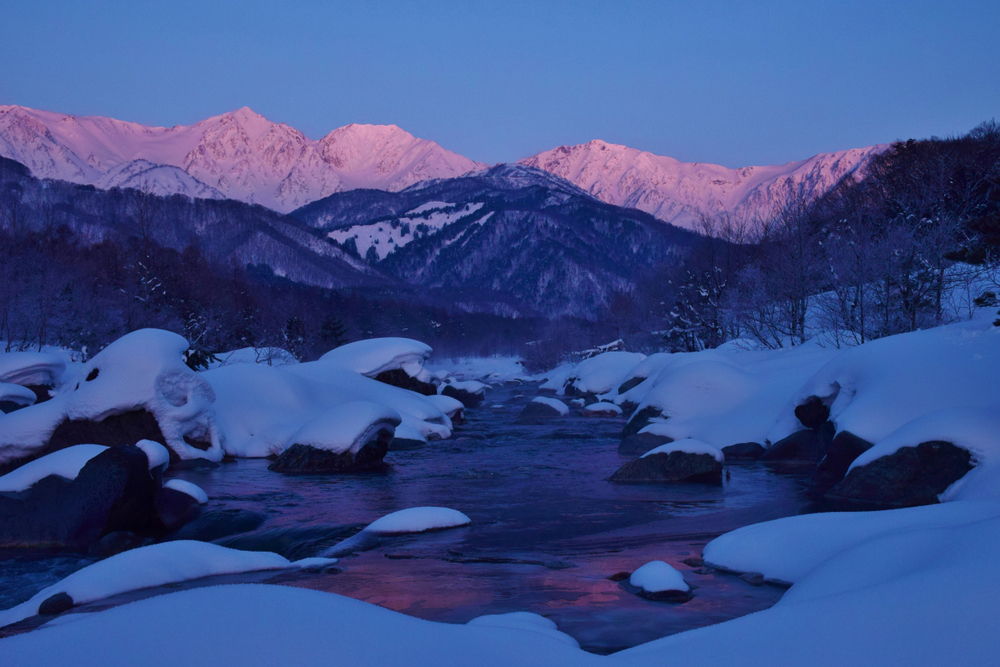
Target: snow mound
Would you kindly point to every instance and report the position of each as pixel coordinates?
(145, 567)
(876, 388)
(36, 368)
(66, 463)
(471, 386)
(16, 394)
(376, 355)
(555, 380)
(657, 576)
(347, 427)
(524, 620)
(187, 488)
(268, 356)
(418, 520)
(687, 445)
(446, 404)
(602, 408)
(142, 370)
(553, 403)
(156, 453)
(974, 429)
(603, 373)
(257, 625)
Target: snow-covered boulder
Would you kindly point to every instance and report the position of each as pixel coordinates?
(601, 409)
(32, 369)
(543, 408)
(686, 460)
(14, 396)
(136, 388)
(924, 459)
(112, 491)
(602, 373)
(449, 405)
(65, 463)
(408, 521)
(470, 392)
(352, 436)
(146, 567)
(395, 361)
(555, 380)
(659, 581)
(647, 368)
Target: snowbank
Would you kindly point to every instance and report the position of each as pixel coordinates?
(141, 370)
(687, 445)
(347, 427)
(16, 394)
(145, 567)
(525, 620)
(876, 388)
(261, 409)
(657, 576)
(418, 520)
(376, 355)
(603, 373)
(974, 429)
(65, 463)
(37, 368)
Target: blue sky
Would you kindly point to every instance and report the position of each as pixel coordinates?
(735, 83)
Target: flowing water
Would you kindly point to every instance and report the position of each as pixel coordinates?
(547, 528)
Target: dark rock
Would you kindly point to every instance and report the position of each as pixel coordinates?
(753, 578)
(640, 420)
(670, 467)
(620, 576)
(693, 562)
(640, 443)
(705, 570)
(744, 451)
(220, 523)
(7, 407)
(41, 392)
(176, 508)
(56, 604)
(665, 596)
(812, 413)
(399, 378)
(843, 450)
(116, 543)
(303, 459)
(802, 445)
(113, 492)
(405, 444)
(910, 476)
(194, 464)
(630, 384)
(127, 428)
(535, 410)
(468, 399)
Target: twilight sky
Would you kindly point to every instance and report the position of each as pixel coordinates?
(735, 83)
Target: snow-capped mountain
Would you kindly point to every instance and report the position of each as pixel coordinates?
(512, 239)
(240, 155)
(678, 192)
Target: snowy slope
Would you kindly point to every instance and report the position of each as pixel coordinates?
(240, 154)
(676, 191)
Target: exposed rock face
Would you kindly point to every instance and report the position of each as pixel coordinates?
(113, 492)
(910, 476)
(744, 451)
(813, 413)
(640, 443)
(630, 384)
(220, 523)
(665, 596)
(303, 459)
(467, 398)
(115, 431)
(56, 604)
(808, 445)
(843, 450)
(640, 420)
(404, 444)
(672, 467)
(399, 378)
(176, 508)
